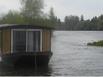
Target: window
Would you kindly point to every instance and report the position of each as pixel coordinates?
(33, 41)
(26, 40)
(19, 41)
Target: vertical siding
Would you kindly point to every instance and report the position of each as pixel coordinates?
(6, 41)
(46, 40)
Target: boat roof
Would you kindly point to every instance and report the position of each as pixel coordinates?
(19, 26)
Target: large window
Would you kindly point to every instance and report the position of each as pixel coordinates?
(26, 41)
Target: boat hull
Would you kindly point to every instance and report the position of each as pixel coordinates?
(27, 59)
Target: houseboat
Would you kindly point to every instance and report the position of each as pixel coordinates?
(25, 44)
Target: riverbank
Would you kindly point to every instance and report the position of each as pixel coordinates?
(98, 43)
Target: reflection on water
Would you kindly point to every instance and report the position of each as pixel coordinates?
(71, 56)
(25, 71)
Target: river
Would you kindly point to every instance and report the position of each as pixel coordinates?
(71, 56)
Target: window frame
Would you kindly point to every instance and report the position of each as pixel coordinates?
(27, 30)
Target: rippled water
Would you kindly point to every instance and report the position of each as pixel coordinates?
(71, 56)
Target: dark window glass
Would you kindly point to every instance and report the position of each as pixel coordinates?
(26, 41)
(19, 41)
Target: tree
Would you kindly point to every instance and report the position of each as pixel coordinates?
(82, 18)
(100, 23)
(32, 12)
(71, 21)
(53, 19)
(93, 23)
(52, 16)
(12, 17)
(32, 8)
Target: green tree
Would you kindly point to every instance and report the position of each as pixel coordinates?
(93, 23)
(32, 11)
(53, 19)
(71, 21)
(32, 8)
(12, 17)
(52, 15)
(100, 23)
(82, 18)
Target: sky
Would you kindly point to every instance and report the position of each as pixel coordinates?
(62, 8)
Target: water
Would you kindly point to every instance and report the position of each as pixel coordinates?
(71, 56)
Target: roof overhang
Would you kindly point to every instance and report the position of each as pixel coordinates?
(18, 26)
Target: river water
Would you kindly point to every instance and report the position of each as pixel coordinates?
(71, 56)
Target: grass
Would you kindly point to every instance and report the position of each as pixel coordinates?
(98, 43)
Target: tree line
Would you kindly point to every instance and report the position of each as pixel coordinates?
(32, 13)
(75, 23)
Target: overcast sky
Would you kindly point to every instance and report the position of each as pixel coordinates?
(62, 8)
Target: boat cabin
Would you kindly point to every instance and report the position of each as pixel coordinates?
(24, 38)
(25, 44)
